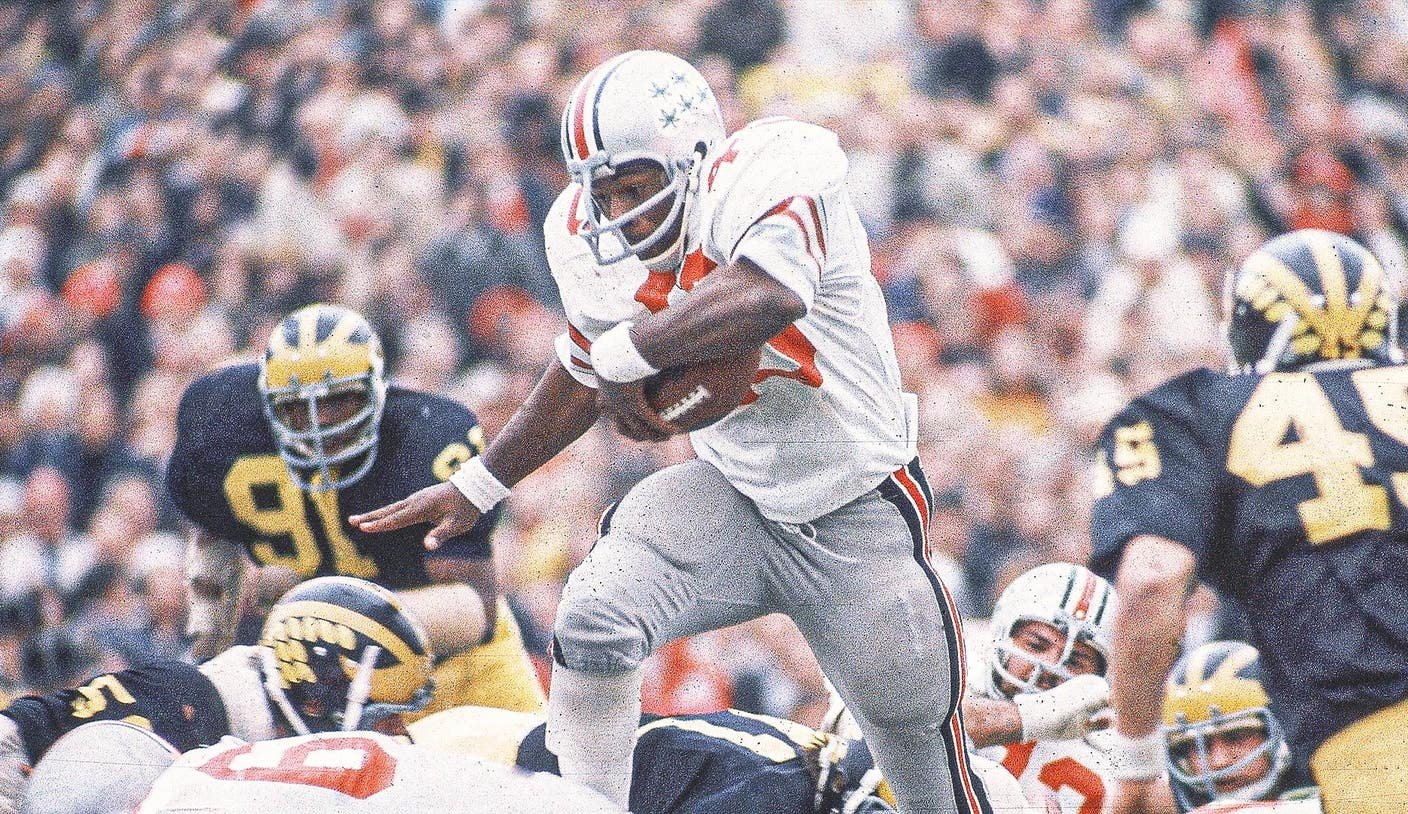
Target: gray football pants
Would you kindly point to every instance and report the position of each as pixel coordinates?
(684, 552)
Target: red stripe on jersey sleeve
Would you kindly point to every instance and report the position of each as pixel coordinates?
(579, 339)
(785, 208)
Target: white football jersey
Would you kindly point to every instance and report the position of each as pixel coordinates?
(355, 773)
(828, 421)
(1075, 773)
(1072, 772)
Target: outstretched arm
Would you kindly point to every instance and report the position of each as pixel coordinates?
(1154, 579)
(1069, 710)
(556, 413)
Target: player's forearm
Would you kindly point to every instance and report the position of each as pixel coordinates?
(1154, 579)
(990, 722)
(558, 411)
(731, 311)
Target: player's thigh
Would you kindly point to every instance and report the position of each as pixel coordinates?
(496, 674)
(876, 616)
(678, 555)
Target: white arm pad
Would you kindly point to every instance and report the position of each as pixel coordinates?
(1064, 711)
(1138, 758)
(212, 563)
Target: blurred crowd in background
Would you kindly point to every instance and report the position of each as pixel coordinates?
(1052, 189)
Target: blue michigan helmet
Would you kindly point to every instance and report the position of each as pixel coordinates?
(322, 383)
(341, 653)
(1305, 297)
(1216, 690)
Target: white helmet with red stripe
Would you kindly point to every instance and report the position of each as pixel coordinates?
(1069, 597)
(642, 107)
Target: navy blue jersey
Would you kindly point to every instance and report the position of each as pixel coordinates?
(227, 477)
(171, 698)
(719, 763)
(1290, 490)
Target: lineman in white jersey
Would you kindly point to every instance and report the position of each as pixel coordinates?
(106, 767)
(676, 245)
(1050, 650)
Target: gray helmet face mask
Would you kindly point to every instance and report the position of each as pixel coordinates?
(1193, 788)
(305, 452)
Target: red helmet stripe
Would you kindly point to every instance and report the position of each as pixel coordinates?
(579, 129)
(1087, 593)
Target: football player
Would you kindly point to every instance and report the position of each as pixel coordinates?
(1223, 743)
(675, 245)
(324, 773)
(1040, 692)
(1050, 654)
(716, 763)
(1282, 485)
(335, 654)
(270, 459)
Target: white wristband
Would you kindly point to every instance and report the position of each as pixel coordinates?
(615, 357)
(1137, 758)
(478, 485)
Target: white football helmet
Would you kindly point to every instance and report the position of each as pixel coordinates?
(642, 106)
(1069, 597)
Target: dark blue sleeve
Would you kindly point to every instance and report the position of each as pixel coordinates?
(171, 698)
(1155, 474)
(182, 468)
(433, 437)
(218, 419)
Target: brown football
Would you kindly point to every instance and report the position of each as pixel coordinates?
(697, 395)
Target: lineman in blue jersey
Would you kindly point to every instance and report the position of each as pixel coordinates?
(336, 654)
(1282, 485)
(270, 459)
(720, 763)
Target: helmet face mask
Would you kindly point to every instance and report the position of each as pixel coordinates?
(1215, 694)
(598, 224)
(324, 364)
(640, 108)
(1040, 672)
(847, 782)
(1190, 759)
(1071, 602)
(340, 654)
(1308, 297)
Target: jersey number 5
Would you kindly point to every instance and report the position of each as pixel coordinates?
(1290, 428)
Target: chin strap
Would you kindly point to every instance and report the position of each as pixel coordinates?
(360, 689)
